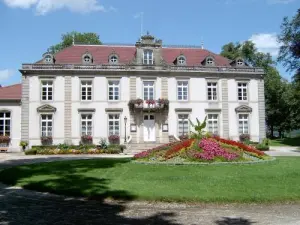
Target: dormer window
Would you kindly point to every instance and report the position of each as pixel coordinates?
(181, 61)
(87, 58)
(113, 59)
(48, 58)
(210, 61)
(240, 62)
(148, 57)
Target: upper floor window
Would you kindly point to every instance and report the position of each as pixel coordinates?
(114, 124)
(87, 58)
(240, 62)
(47, 90)
(86, 124)
(182, 90)
(148, 57)
(243, 124)
(48, 58)
(113, 90)
(183, 124)
(46, 125)
(148, 90)
(212, 123)
(86, 90)
(242, 92)
(5, 122)
(181, 60)
(212, 91)
(209, 61)
(113, 59)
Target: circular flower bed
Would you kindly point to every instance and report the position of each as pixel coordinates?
(205, 150)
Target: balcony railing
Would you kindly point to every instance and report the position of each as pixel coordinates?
(128, 67)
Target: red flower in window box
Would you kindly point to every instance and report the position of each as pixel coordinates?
(4, 139)
(86, 139)
(114, 139)
(46, 140)
(150, 102)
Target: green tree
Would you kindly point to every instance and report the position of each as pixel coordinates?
(277, 102)
(68, 38)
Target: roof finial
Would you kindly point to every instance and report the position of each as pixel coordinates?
(73, 39)
(202, 43)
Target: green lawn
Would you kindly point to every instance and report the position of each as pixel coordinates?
(286, 142)
(275, 181)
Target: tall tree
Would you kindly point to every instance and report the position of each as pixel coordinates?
(277, 115)
(68, 38)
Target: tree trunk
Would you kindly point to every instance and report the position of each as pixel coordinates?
(272, 131)
(280, 134)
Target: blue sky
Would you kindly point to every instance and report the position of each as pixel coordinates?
(29, 27)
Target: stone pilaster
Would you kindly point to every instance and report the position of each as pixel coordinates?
(132, 87)
(261, 110)
(25, 109)
(164, 87)
(225, 108)
(68, 110)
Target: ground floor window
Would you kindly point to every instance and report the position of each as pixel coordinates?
(183, 124)
(243, 124)
(46, 125)
(5, 123)
(213, 123)
(114, 124)
(86, 124)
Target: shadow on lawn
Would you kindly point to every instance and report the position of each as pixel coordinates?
(234, 221)
(289, 141)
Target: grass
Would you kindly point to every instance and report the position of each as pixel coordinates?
(286, 142)
(276, 181)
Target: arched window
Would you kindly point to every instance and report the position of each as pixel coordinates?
(113, 59)
(48, 58)
(87, 58)
(181, 60)
(210, 61)
(5, 122)
(148, 57)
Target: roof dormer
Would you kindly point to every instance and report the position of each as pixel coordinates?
(113, 58)
(209, 61)
(48, 58)
(181, 60)
(87, 58)
(238, 62)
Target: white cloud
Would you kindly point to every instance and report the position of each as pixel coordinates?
(266, 43)
(5, 74)
(280, 1)
(43, 7)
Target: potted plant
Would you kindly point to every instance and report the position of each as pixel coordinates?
(86, 139)
(23, 144)
(150, 102)
(46, 140)
(135, 103)
(114, 139)
(163, 103)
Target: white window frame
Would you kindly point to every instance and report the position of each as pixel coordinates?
(48, 133)
(180, 88)
(148, 88)
(5, 119)
(240, 62)
(148, 57)
(180, 131)
(243, 120)
(209, 61)
(113, 59)
(114, 87)
(86, 121)
(244, 91)
(88, 85)
(181, 60)
(211, 120)
(114, 130)
(47, 84)
(212, 87)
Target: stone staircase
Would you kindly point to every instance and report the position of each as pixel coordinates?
(134, 148)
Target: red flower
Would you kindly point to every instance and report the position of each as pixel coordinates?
(150, 102)
(178, 147)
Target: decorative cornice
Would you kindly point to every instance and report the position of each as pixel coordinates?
(183, 110)
(86, 110)
(213, 110)
(112, 110)
(243, 108)
(46, 109)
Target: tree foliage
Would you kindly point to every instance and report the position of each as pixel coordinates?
(68, 38)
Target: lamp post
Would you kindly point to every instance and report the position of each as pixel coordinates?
(125, 121)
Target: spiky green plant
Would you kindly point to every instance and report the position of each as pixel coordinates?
(199, 129)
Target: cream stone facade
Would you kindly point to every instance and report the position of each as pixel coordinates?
(88, 89)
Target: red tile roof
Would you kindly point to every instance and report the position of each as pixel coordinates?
(100, 53)
(13, 92)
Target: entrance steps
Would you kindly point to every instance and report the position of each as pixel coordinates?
(134, 148)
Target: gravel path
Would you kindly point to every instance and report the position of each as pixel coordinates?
(18, 206)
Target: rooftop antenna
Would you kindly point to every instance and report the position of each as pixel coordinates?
(142, 23)
(202, 43)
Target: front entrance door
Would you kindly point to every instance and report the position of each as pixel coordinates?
(149, 127)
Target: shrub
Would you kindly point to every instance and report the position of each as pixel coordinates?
(102, 144)
(31, 152)
(262, 147)
(63, 146)
(245, 138)
(23, 144)
(114, 139)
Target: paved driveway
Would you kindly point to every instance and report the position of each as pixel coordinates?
(23, 207)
